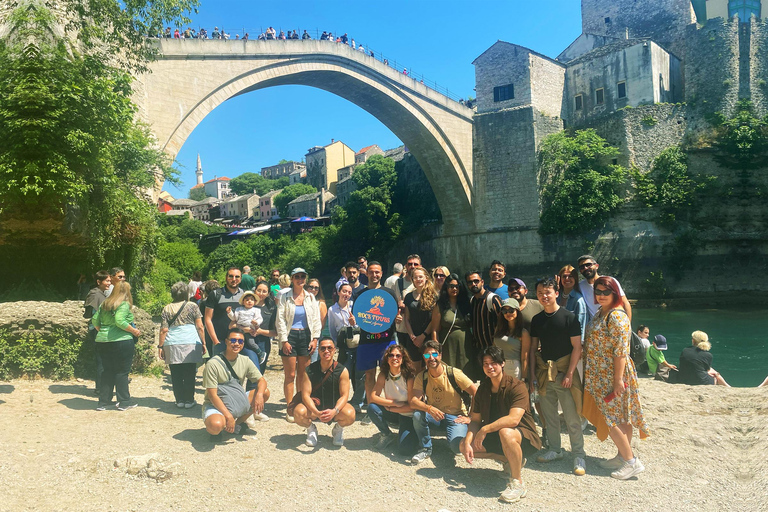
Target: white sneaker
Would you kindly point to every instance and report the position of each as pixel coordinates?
(251, 422)
(289, 418)
(579, 466)
(311, 436)
(628, 470)
(260, 417)
(615, 463)
(338, 435)
(550, 456)
(514, 492)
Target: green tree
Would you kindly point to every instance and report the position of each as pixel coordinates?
(249, 182)
(197, 194)
(579, 187)
(742, 141)
(183, 257)
(290, 193)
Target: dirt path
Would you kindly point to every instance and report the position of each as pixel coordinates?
(707, 451)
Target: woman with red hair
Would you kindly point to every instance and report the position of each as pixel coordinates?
(611, 400)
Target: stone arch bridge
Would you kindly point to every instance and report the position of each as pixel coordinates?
(193, 77)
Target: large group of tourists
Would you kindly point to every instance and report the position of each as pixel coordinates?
(484, 362)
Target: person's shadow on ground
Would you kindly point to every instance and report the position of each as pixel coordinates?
(71, 389)
(199, 438)
(6, 389)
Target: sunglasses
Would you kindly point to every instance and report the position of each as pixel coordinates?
(316, 288)
(325, 349)
(236, 341)
(603, 292)
(585, 265)
(567, 276)
(508, 311)
(300, 276)
(453, 287)
(230, 276)
(474, 281)
(439, 276)
(433, 355)
(395, 356)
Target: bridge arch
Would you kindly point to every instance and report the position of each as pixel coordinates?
(193, 77)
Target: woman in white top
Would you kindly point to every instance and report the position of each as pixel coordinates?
(389, 401)
(298, 329)
(509, 332)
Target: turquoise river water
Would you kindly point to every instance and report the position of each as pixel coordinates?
(739, 339)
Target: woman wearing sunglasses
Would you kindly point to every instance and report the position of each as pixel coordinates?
(438, 277)
(389, 401)
(454, 321)
(313, 287)
(611, 401)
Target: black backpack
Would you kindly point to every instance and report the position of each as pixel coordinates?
(637, 353)
(465, 397)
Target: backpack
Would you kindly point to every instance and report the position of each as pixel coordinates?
(637, 353)
(465, 397)
(489, 301)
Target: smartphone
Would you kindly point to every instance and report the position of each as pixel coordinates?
(610, 396)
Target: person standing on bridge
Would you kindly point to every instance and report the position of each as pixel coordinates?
(305, 36)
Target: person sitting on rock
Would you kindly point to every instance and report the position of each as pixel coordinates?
(324, 396)
(226, 405)
(502, 426)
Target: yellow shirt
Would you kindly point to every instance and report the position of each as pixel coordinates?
(441, 394)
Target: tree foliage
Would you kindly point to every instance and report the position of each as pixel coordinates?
(250, 182)
(670, 187)
(290, 193)
(197, 194)
(580, 188)
(742, 141)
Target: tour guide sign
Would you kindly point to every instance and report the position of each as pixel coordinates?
(375, 310)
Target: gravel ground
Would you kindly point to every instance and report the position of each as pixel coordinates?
(706, 451)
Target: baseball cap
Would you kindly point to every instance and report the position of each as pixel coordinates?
(510, 303)
(298, 270)
(660, 341)
(519, 282)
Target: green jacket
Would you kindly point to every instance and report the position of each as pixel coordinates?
(113, 324)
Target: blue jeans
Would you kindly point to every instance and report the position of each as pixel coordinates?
(455, 432)
(357, 378)
(406, 439)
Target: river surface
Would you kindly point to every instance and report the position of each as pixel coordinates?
(739, 339)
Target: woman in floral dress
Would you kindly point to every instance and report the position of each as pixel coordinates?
(611, 401)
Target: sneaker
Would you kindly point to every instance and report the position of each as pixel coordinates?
(311, 436)
(242, 429)
(550, 456)
(385, 440)
(251, 422)
(579, 466)
(124, 406)
(628, 470)
(615, 463)
(338, 435)
(514, 492)
(102, 407)
(421, 456)
(505, 474)
(260, 417)
(289, 418)
(366, 420)
(189, 405)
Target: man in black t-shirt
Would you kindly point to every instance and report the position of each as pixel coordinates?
(216, 318)
(483, 320)
(558, 332)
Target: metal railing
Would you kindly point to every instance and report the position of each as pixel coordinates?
(241, 33)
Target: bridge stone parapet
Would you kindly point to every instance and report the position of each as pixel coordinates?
(193, 77)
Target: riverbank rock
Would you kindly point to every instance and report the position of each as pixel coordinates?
(149, 466)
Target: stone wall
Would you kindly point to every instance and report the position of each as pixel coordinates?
(758, 52)
(712, 68)
(503, 64)
(547, 85)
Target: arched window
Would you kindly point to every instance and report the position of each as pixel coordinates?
(744, 9)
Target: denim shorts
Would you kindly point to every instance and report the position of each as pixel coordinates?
(299, 339)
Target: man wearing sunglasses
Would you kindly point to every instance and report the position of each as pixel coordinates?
(485, 310)
(439, 403)
(230, 368)
(588, 267)
(216, 319)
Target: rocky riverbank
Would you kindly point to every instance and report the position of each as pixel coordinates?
(59, 453)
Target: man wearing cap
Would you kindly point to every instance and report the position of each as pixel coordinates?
(216, 319)
(588, 268)
(484, 314)
(227, 369)
(655, 355)
(528, 309)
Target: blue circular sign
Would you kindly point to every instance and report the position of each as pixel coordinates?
(375, 310)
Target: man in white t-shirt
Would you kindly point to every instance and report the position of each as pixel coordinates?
(588, 268)
(397, 273)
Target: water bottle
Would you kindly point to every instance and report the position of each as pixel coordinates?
(535, 393)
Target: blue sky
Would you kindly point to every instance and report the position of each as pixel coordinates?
(438, 39)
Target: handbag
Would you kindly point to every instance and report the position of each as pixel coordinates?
(351, 335)
(232, 394)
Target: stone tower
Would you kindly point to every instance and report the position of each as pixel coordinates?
(199, 171)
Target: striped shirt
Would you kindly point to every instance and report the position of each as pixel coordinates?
(483, 320)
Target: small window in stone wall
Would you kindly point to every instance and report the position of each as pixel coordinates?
(579, 102)
(621, 89)
(599, 96)
(504, 93)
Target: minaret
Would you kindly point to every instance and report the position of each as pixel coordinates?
(199, 171)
